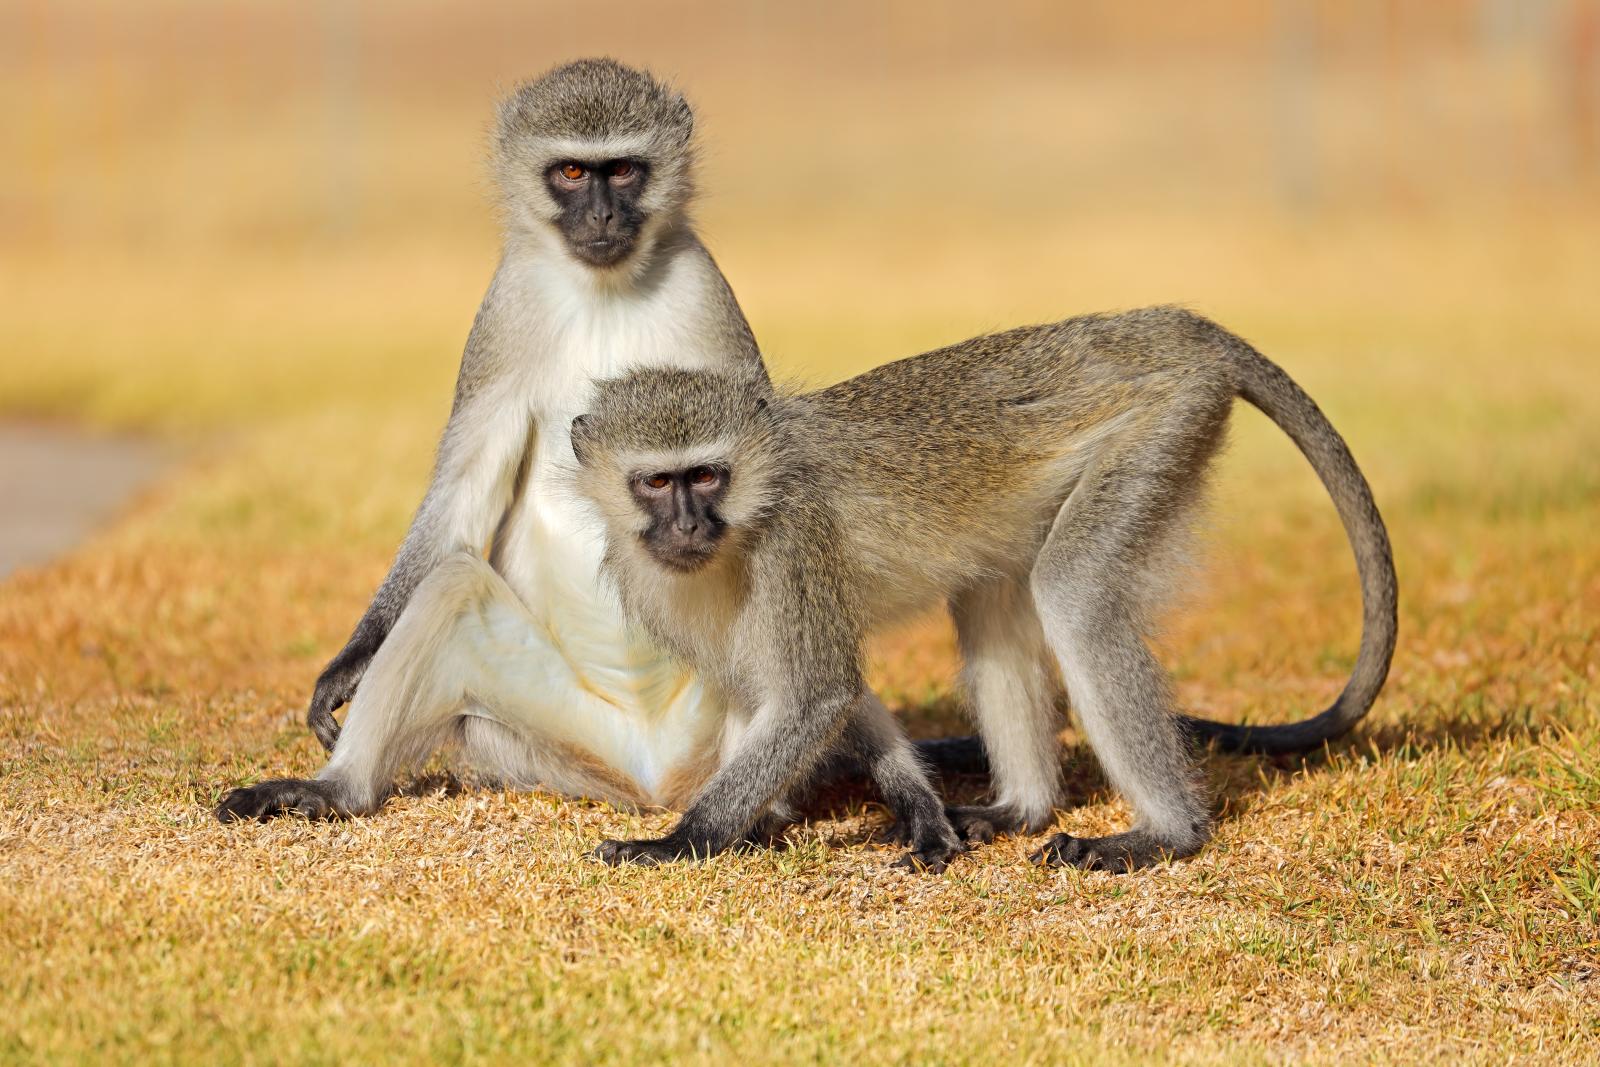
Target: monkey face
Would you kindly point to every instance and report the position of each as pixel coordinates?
(600, 210)
(685, 529)
(656, 455)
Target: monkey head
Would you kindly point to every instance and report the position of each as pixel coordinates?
(597, 155)
(682, 464)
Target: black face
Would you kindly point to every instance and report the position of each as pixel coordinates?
(684, 529)
(600, 212)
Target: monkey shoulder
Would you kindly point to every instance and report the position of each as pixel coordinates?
(804, 564)
(803, 620)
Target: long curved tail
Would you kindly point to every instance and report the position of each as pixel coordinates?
(1265, 385)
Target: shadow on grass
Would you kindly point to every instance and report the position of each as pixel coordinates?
(442, 783)
(1235, 781)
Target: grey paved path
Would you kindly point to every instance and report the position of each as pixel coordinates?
(56, 485)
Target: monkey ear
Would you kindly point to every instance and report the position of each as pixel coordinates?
(686, 116)
(580, 433)
(761, 404)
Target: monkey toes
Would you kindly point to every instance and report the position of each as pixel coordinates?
(280, 796)
(1118, 853)
(979, 824)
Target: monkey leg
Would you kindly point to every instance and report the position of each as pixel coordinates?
(403, 710)
(464, 661)
(891, 762)
(1013, 698)
(1088, 584)
(787, 739)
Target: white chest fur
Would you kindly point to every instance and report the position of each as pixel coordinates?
(647, 711)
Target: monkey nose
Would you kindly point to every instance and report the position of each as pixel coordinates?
(600, 216)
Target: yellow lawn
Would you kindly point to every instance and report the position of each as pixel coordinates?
(1426, 890)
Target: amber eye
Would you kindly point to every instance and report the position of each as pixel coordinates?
(572, 172)
(702, 476)
(621, 169)
(658, 481)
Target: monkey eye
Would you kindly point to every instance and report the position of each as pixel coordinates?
(657, 481)
(572, 172)
(622, 170)
(703, 476)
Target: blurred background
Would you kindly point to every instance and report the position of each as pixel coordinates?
(275, 199)
(259, 230)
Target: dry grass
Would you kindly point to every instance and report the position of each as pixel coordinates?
(1427, 890)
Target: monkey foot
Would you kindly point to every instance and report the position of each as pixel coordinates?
(281, 796)
(979, 824)
(1118, 853)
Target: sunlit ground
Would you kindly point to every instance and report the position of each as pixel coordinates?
(1428, 888)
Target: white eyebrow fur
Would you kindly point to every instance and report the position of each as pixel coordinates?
(597, 147)
(710, 454)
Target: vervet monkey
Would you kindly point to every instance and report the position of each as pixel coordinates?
(524, 658)
(1031, 480)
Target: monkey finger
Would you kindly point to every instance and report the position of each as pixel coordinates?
(319, 716)
(979, 824)
(644, 853)
(326, 728)
(976, 831)
(926, 861)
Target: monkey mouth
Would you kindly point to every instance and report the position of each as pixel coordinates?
(604, 251)
(684, 558)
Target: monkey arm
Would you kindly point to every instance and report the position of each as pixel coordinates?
(796, 650)
(737, 337)
(473, 475)
(783, 745)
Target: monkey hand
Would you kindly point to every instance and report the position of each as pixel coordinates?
(335, 686)
(933, 843)
(652, 852)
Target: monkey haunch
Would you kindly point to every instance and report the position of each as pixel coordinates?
(1030, 480)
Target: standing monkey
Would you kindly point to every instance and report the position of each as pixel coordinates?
(1030, 480)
